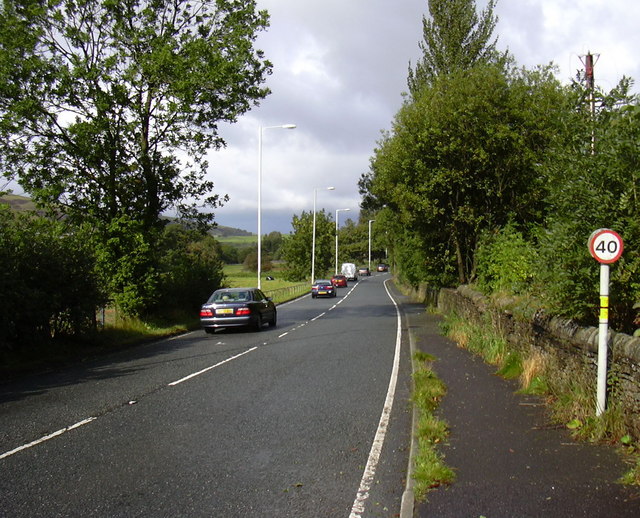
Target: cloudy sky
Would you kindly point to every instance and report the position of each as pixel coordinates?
(340, 67)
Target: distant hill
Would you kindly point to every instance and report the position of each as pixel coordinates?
(18, 203)
(222, 231)
(24, 204)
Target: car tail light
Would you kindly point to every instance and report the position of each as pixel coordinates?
(243, 311)
(206, 313)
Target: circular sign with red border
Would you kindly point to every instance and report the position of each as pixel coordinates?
(606, 246)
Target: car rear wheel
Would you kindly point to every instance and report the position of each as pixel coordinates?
(258, 323)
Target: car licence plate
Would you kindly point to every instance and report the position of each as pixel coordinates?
(322, 293)
(224, 311)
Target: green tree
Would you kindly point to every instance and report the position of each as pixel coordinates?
(454, 38)
(128, 264)
(464, 156)
(229, 253)
(251, 261)
(296, 249)
(271, 243)
(354, 240)
(352, 244)
(593, 187)
(190, 269)
(109, 107)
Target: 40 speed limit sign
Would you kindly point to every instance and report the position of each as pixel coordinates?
(606, 246)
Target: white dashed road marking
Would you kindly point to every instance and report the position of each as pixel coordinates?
(47, 437)
(172, 384)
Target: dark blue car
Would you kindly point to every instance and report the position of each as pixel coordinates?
(323, 288)
(234, 307)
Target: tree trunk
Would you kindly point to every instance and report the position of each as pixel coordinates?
(459, 259)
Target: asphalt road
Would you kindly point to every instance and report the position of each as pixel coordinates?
(307, 419)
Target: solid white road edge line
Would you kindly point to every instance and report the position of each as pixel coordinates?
(47, 437)
(174, 383)
(180, 336)
(376, 447)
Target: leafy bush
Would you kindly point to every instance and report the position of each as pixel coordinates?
(190, 269)
(127, 264)
(506, 262)
(48, 282)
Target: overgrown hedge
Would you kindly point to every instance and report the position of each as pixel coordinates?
(54, 276)
(48, 280)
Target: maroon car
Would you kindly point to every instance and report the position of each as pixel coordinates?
(339, 281)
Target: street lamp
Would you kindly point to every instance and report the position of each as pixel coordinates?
(338, 210)
(260, 130)
(313, 241)
(370, 221)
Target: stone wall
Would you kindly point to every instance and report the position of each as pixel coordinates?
(572, 346)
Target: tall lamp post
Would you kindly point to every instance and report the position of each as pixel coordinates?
(370, 221)
(260, 130)
(337, 211)
(313, 240)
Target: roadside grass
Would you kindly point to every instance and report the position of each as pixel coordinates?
(568, 389)
(116, 332)
(123, 332)
(430, 471)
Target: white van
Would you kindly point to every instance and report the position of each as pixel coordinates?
(350, 271)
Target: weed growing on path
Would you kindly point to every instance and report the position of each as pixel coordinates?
(430, 469)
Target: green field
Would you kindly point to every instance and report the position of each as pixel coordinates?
(238, 240)
(279, 289)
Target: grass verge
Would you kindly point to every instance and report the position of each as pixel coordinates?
(121, 332)
(116, 335)
(430, 471)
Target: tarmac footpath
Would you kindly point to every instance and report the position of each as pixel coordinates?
(508, 459)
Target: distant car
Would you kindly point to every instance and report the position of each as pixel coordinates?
(383, 267)
(323, 288)
(363, 270)
(234, 307)
(339, 281)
